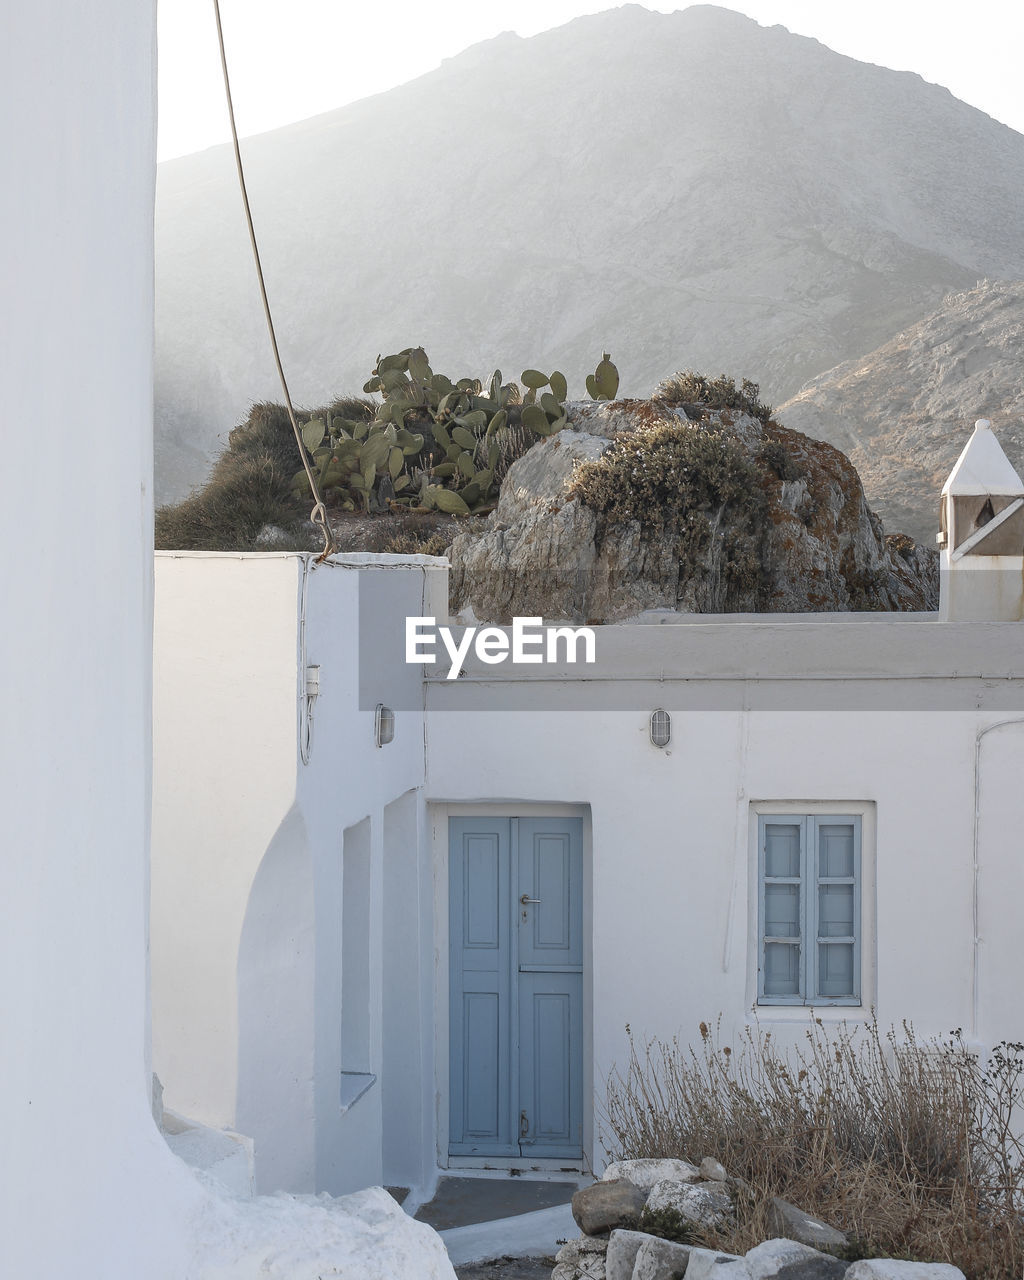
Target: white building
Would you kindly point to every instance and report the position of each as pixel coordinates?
(423, 955)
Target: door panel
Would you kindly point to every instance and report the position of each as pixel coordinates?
(516, 993)
(550, 865)
(480, 1109)
(483, 1085)
(550, 1064)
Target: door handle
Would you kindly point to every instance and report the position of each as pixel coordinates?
(526, 900)
(524, 1124)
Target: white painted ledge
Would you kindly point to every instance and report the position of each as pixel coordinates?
(528, 1235)
(353, 1085)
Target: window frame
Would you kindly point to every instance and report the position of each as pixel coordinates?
(811, 819)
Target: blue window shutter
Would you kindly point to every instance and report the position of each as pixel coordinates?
(782, 941)
(834, 907)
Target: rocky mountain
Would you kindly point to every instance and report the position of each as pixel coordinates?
(685, 190)
(903, 412)
(638, 507)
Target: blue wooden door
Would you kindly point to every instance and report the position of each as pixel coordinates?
(516, 937)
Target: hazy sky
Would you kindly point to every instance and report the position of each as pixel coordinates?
(290, 59)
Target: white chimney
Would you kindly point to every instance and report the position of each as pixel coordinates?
(982, 535)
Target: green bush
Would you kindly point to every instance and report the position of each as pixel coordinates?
(779, 460)
(667, 1224)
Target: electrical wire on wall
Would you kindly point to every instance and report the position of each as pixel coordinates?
(319, 512)
(309, 673)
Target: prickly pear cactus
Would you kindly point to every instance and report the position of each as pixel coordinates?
(603, 383)
(435, 444)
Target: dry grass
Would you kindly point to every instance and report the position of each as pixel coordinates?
(399, 533)
(249, 487)
(905, 1145)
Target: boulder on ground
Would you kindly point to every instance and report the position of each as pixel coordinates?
(603, 1206)
(588, 1266)
(661, 1260)
(712, 1171)
(897, 1269)
(790, 1260)
(705, 1204)
(577, 1252)
(582, 1259)
(785, 1219)
(645, 1173)
(711, 1264)
(622, 1250)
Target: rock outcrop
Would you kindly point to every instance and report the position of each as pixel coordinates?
(728, 515)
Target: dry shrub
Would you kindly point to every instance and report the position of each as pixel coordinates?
(245, 494)
(250, 487)
(697, 391)
(691, 484)
(906, 1145)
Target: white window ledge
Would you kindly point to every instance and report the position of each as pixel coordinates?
(353, 1085)
(804, 1013)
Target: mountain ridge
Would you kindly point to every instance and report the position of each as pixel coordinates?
(903, 412)
(685, 190)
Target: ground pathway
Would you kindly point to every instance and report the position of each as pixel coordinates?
(487, 1200)
(508, 1269)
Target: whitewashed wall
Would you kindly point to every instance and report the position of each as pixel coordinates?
(672, 911)
(249, 845)
(87, 1185)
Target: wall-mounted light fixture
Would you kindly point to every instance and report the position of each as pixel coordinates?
(661, 728)
(383, 725)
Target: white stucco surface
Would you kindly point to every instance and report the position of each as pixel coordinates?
(983, 467)
(87, 1185)
(529, 1235)
(250, 849)
(364, 1236)
(232, 786)
(978, 586)
(226, 1157)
